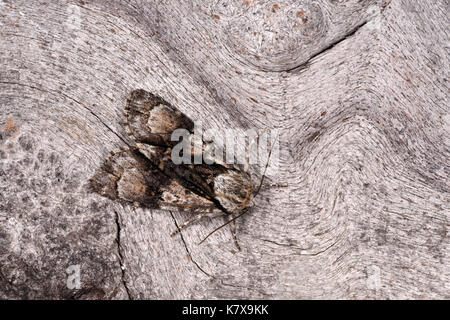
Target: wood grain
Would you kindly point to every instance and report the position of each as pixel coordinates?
(357, 89)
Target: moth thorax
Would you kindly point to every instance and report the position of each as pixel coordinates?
(233, 190)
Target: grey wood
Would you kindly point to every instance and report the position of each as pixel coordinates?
(357, 89)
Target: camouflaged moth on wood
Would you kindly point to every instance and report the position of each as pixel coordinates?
(145, 174)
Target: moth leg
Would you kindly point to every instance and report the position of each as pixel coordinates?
(233, 233)
(195, 219)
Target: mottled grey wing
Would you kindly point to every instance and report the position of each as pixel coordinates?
(150, 122)
(128, 176)
(150, 119)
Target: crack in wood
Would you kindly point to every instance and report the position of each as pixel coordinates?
(121, 258)
(327, 48)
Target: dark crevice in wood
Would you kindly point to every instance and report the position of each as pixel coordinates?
(328, 48)
(283, 244)
(119, 250)
(301, 249)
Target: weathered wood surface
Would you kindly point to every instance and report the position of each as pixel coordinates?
(358, 90)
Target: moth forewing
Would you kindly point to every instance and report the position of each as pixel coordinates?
(145, 174)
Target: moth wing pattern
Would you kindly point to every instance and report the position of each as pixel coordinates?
(128, 176)
(150, 119)
(146, 175)
(125, 177)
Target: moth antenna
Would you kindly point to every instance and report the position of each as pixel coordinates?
(256, 193)
(265, 169)
(225, 224)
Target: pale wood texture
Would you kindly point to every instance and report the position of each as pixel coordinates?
(358, 90)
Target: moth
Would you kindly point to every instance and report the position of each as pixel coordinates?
(146, 176)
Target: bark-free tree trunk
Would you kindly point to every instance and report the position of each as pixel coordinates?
(359, 204)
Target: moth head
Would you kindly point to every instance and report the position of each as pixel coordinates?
(233, 189)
